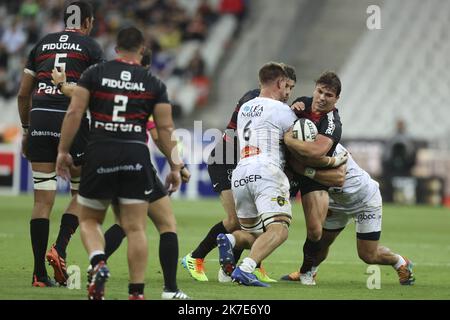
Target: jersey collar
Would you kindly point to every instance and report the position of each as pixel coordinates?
(72, 30)
(132, 62)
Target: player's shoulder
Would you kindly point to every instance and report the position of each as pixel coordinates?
(249, 95)
(333, 115)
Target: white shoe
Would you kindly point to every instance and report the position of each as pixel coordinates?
(177, 295)
(308, 278)
(223, 277)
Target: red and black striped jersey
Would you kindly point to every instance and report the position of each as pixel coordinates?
(70, 50)
(228, 146)
(249, 95)
(122, 97)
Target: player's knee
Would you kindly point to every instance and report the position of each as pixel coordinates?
(232, 223)
(44, 181)
(314, 233)
(368, 256)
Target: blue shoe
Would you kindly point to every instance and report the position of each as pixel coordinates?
(246, 278)
(226, 257)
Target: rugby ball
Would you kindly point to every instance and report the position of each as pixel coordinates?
(304, 129)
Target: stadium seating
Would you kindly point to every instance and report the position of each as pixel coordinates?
(400, 71)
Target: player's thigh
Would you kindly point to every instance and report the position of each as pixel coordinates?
(243, 196)
(90, 213)
(133, 216)
(161, 214)
(315, 207)
(369, 219)
(272, 197)
(43, 136)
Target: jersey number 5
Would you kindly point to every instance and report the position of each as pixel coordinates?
(121, 106)
(58, 63)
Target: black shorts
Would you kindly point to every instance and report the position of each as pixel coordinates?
(112, 170)
(304, 185)
(44, 134)
(220, 175)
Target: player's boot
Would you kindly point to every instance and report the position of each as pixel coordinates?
(405, 273)
(89, 276)
(195, 267)
(293, 276)
(262, 275)
(226, 256)
(42, 282)
(136, 296)
(246, 278)
(100, 275)
(59, 266)
(223, 277)
(177, 295)
(308, 278)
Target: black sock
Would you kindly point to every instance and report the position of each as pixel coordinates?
(310, 251)
(209, 242)
(136, 288)
(69, 224)
(237, 254)
(39, 229)
(168, 258)
(96, 259)
(113, 239)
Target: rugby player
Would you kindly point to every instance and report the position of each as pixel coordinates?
(42, 107)
(121, 95)
(162, 216)
(359, 199)
(260, 187)
(322, 111)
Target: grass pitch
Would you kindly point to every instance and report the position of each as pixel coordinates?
(420, 233)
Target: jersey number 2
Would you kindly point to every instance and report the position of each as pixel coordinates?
(120, 106)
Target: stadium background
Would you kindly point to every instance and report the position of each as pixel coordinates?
(208, 52)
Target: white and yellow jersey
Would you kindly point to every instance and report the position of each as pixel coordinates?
(261, 125)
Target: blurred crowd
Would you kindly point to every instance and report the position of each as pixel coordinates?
(166, 24)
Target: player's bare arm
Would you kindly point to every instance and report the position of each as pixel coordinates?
(59, 80)
(309, 149)
(334, 177)
(69, 129)
(321, 161)
(24, 104)
(162, 115)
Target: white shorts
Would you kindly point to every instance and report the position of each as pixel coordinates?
(367, 218)
(260, 189)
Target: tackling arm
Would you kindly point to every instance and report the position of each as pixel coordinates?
(316, 157)
(331, 177)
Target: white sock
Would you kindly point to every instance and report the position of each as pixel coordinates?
(248, 265)
(95, 253)
(400, 262)
(232, 239)
(314, 269)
